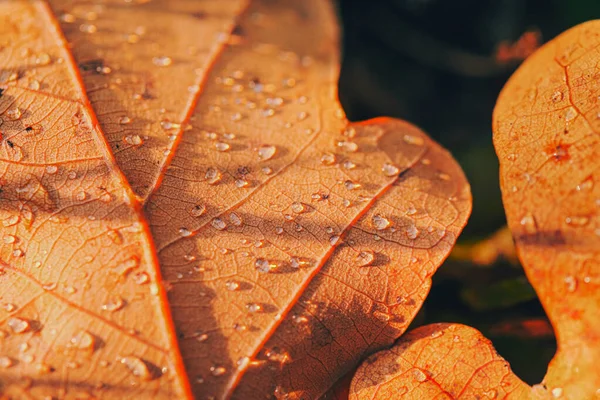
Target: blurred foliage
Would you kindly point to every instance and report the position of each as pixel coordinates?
(432, 62)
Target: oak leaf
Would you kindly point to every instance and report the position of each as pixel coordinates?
(186, 212)
(546, 135)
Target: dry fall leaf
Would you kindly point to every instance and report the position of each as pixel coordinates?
(186, 212)
(546, 135)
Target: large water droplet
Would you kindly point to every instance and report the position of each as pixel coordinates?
(266, 152)
(390, 169)
(83, 340)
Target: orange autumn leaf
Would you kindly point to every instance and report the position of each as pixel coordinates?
(187, 213)
(546, 136)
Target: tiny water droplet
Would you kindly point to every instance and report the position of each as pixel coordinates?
(412, 232)
(557, 392)
(328, 159)
(137, 367)
(350, 147)
(6, 362)
(162, 61)
(184, 232)
(253, 307)
(528, 223)
(218, 224)
(114, 304)
(419, 375)
(557, 96)
(577, 220)
(140, 278)
(380, 222)
(571, 283)
(264, 266)
(83, 340)
(213, 176)
(134, 140)
(348, 164)
(18, 325)
(241, 183)
(365, 258)
(222, 146)
(14, 114)
(350, 185)
(266, 152)
(334, 239)
(8, 239)
(217, 370)
(298, 207)
(198, 210)
(390, 170)
(88, 28)
(124, 120)
(232, 285)
(414, 140)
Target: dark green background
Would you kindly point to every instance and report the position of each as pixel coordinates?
(431, 62)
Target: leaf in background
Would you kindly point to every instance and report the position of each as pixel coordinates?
(546, 135)
(291, 242)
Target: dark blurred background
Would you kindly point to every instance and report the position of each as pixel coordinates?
(440, 64)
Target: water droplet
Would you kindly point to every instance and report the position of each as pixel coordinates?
(216, 370)
(412, 232)
(414, 140)
(184, 232)
(221, 146)
(18, 325)
(68, 18)
(83, 340)
(298, 207)
(266, 152)
(419, 375)
(557, 96)
(557, 392)
(14, 113)
(127, 266)
(587, 184)
(241, 183)
(571, 283)
(213, 176)
(380, 222)
(328, 159)
(264, 266)
(162, 61)
(348, 164)
(218, 224)
(279, 230)
(528, 223)
(302, 115)
(124, 120)
(365, 258)
(232, 285)
(34, 84)
(43, 59)
(134, 140)
(138, 368)
(168, 125)
(9, 307)
(8, 239)
(334, 239)
(267, 170)
(140, 278)
(577, 220)
(198, 210)
(570, 114)
(114, 304)
(88, 28)
(6, 362)
(350, 185)
(350, 147)
(253, 307)
(81, 196)
(390, 170)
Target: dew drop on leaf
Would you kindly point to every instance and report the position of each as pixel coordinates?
(266, 152)
(137, 367)
(365, 258)
(6, 362)
(328, 159)
(213, 176)
(390, 169)
(162, 61)
(18, 325)
(380, 222)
